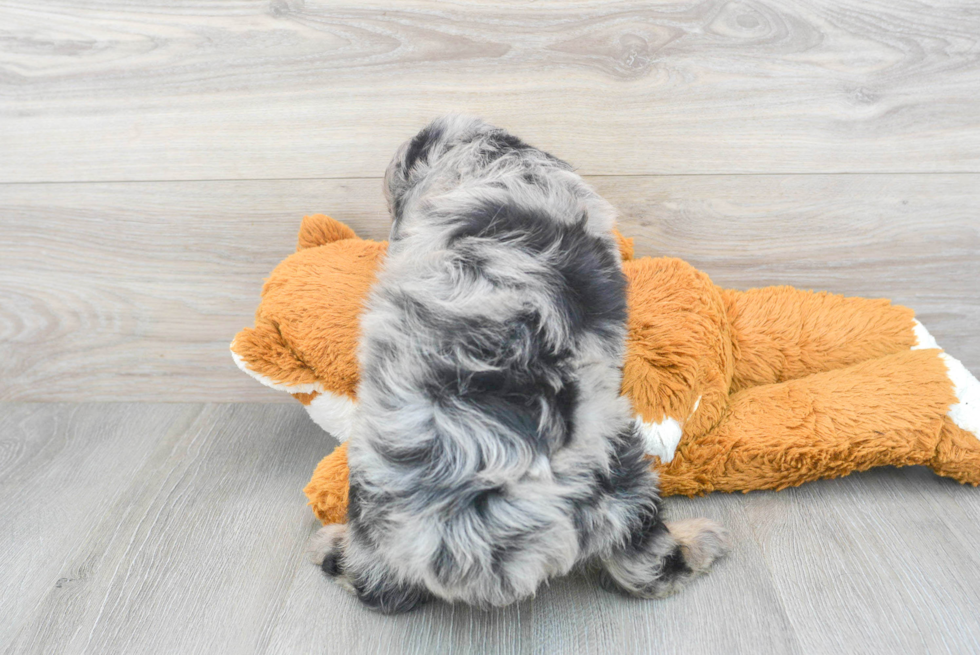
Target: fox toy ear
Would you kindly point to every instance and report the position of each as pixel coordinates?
(317, 230)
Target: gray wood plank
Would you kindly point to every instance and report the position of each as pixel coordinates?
(62, 469)
(130, 90)
(884, 558)
(193, 553)
(132, 291)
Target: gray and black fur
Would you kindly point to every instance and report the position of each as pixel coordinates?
(491, 448)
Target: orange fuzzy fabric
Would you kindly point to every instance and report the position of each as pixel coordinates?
(305, 337)
(886, 411)
(769, 388)
(327, 490)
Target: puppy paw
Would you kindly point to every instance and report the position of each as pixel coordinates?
(702, 542)
(326, 550)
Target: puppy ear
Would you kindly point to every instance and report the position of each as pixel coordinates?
(410, 155)
(415, 156)
(317, 230)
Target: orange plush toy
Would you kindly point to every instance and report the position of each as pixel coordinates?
(733, 390)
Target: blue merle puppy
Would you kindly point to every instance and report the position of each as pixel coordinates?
(491, 447)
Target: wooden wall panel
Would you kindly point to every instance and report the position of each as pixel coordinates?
(133, 90)
(132, 291)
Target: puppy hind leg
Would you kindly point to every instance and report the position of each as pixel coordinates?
(382, 593)
(644, 556)
(660, 561)
(326, 549)
(375, 586)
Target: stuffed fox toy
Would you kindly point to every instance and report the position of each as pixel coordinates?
(732, 390)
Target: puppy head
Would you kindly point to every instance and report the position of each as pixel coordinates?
(461, 152)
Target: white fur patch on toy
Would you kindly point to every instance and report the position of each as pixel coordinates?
(923, 339)
(661, 439)
(965, 413)
(333, 413)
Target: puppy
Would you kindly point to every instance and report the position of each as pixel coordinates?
(491, 447)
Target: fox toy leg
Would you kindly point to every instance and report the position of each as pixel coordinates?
(902, 409)
(958, 454)
(783, 333)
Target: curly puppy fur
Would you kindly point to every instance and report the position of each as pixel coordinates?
(492, 449)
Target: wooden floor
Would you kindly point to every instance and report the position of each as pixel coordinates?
(180, 528)
(156, 159)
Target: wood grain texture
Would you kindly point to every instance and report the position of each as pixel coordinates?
(132, 90)
(63, 468)
(193, 551)
(166, 528)
(132, 291)
(887, 558)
